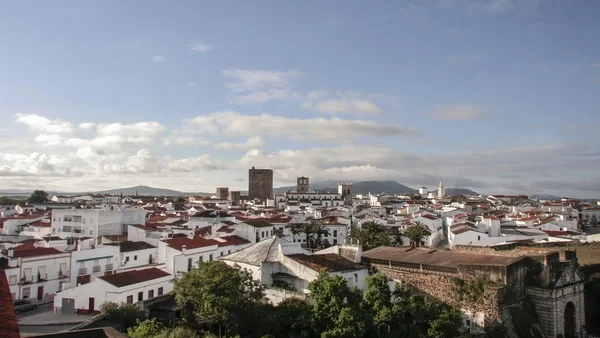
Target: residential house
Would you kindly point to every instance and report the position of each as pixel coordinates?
(135, 254)
(181, 254)
(35, 272)
(287, 269)
(62, 199)
(105, 220)
(87, 265)
(123, 287)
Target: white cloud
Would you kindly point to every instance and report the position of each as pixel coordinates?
(135, 129)
(245, 80)
(158, 59)
(234, 124)
(87, 125)
(194, 164)
(200, 47)
(49, 139)
(458, 112)
(43, 124)
(252, 142)
(347, 106)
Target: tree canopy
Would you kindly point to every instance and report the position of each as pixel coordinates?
(215, 293)
(38, 196)
(416, 232)
(218, 300)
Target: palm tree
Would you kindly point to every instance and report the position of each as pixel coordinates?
(416, 232)
(320, 230)
(295, 229)
(362, 236)
(307, 229)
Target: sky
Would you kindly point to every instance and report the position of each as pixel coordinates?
(499, 96)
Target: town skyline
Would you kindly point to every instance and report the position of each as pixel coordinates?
(410, 92)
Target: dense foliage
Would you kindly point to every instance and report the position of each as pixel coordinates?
(416, 232)
(38, 196)
(218, 300)
(127, 315)
(372, 234)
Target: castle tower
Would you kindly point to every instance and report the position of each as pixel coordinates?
(441, 190)
(302, 184)
(345, 189)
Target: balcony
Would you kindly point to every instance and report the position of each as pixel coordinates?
(42, 277)
(26, 280)
(82, 271)
(96, 268)
(63, 274)
(108, 267)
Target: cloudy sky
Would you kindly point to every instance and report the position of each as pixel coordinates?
(500, 96)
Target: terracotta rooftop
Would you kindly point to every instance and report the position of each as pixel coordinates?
(128, 246)
(436, 257)
(34, 252)
(329, 262)
(9, 327)
(200, 242)
(134, 277)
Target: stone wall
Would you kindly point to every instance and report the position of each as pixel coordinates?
(440, 287)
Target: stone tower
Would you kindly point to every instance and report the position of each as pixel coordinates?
(302, 184)
(260, 184)
(345, 189)
(441, 190)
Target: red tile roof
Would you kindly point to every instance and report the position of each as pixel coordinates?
(9, 327)
(40, 224)
(24, 251)
(133, 277)
(200, 242)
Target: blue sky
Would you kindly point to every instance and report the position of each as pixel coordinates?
(500, 96)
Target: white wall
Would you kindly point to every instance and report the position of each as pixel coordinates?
(102, 292)
(30, 266)
(85, 260)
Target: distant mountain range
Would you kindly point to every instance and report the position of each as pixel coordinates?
(364, 187)
(374, 187)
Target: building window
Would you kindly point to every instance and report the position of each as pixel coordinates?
(228, 252)
(91, 232)
(135, 258)
(130, 299)
(126, 258)
(201, 259)
(334, 233)
(66, 228)
(210, 258)
(151, 294)
(335, 242)
(189, 264)
(140, 296)
(478, 238)
(53, 219)
(26, 293)
(160, 291)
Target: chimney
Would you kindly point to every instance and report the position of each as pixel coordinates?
(11, 252)
(191, 235)
(183, 249)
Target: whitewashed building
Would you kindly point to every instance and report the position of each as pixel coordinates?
(123, 287)
(105, 220)
(285, 266)
(36, 273)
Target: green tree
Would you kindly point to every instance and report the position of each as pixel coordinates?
(336, 306)
(145, 329)
(128, 315)
(293, 316)
(378, 295)
(38, 196)
(371, 235)
(180, 200)
(216, 294)
(320, 230)
(307, 229)
(416, 232)
(447, 323)
(8, 201)
(295, 229)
